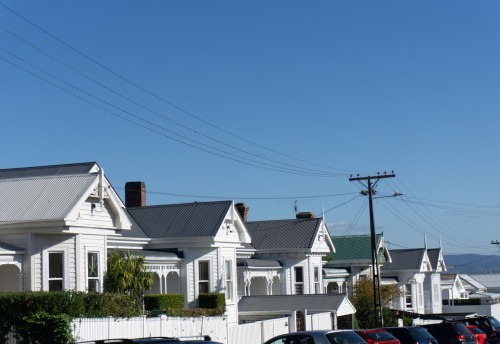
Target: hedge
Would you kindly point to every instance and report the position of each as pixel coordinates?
(31, 315)
(213, 301)
(163, 301)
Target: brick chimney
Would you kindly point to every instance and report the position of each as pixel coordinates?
(304, 215)
(242, 209)
(135, 194)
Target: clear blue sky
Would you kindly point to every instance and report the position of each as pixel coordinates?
(308, 91)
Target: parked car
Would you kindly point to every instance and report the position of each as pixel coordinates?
(488, 324)
(318, 337)
(451, 332)
(477, 333)
(377, 336)
(412, 335)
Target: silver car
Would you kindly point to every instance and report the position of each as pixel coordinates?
(318, 337)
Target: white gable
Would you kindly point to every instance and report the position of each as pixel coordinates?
(232, 228)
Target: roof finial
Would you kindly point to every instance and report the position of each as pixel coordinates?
(425, 240)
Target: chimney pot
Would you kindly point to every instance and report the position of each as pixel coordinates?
(135, 194)
(304, 215)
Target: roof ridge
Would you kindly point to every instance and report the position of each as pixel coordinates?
(283, 220)
(6, 180)
(179, 204)
(46, 166)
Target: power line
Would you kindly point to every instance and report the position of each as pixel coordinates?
(161, 98)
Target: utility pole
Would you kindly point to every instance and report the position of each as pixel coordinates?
(377, 299)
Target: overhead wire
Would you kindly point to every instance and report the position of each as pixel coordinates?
(203, 146)
(164, 100)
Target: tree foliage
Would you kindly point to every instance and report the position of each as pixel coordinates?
(127, 274)
(363, 302)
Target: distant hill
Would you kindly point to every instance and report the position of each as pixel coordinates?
(472, 263)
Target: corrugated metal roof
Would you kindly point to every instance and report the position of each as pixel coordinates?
(258, 263)
(354, 247)
(488, 280)
(44, 171)
(198, 219)
(283, 234)
(405, 259)
(41, 198)
(433, 254)
(288, 303)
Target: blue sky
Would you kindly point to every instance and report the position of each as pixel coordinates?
(274, 101)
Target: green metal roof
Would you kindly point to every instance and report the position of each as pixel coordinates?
(354, 247)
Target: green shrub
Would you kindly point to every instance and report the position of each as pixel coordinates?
(31, 314)
(193, 312)
(163, 301)
(213, 300)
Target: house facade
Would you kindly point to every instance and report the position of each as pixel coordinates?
(58, 223)
(418, 274)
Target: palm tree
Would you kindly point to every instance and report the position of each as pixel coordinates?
(127, 274)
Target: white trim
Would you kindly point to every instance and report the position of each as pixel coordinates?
(100, 260)
(45, 266)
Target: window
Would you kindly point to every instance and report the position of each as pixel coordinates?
(229, 279)
(317, 286)
(437, 295)
(56, 271)
(203, 277)
(299, 280)
(93, 271)
(408, 302)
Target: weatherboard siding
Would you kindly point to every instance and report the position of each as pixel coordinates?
(46, 243)
(98, 217)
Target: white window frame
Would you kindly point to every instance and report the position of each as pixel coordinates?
(89, 250)
(317, 282)
(197, 272)
(296, 283)
(408, 295)
(45, 267)
(437, 294)
(229, 278)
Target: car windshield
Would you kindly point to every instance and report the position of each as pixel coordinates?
(495, 322)
(344, 337)
(420, 333)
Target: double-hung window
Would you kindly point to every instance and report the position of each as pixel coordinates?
(93, 271)
(299, 280)
(203, 276)
(317, 285)
(56, 271)
(229, 279)
(408, 296)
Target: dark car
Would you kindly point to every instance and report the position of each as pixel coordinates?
(412, 335)
(451, 332)
(377, 336)
(488, 324)
(318, 337)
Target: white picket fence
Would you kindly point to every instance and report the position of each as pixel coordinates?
(139, 327)
(87, 329)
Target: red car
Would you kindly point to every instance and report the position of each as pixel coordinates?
(377, 336)
(478, 334)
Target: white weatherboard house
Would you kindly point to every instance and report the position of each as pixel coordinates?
(418, 274)
(57, 224)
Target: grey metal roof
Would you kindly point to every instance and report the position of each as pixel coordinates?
(433, 254)
(198, 219)
(405, 259)
(44, 171)
(287, 303)
(258, 263)
(283, 234)
(41, 198)
(488, 280)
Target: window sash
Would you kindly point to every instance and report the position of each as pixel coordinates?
(203, 277)
(299, 280)
(229, 279)
(93, 271)
(56, 271)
